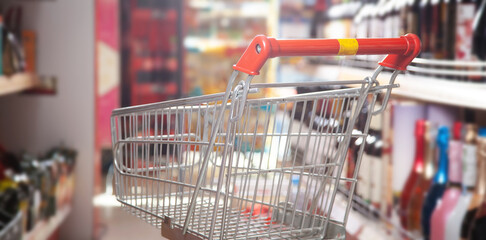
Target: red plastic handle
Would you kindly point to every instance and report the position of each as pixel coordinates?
(401, 51)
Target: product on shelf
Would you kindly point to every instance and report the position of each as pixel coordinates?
(445, 27)
(13, 53)
(37, 187)
(29, 43)
(377, 175)
(413, 185)
(363, 187)
(469, 173)
(387, 136)
(450, 32)
(453, 191)
(479, 37)
(474, 222)
(425, 27)
(437, 29)
(414, 211)
(1, 44)
(464, 29)
(439, 182)
(405, 114)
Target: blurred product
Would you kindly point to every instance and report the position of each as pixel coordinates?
(437, 33)
(363, 187)
(415, 179)
(405, 114)
(387, 136)
(29, 43)
(425, 27)
(449, 32)
(1, 44)
(37, 187)
(479, 27)
(377, 176)
(464, 29)
(13, 54)
(469, 173)
(438, 187)
(412, 13)
(414, 209)
(451, 196)
(151, 51)
(476, 218)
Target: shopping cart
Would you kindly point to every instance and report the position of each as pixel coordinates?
(235, 166)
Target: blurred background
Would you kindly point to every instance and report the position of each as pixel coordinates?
(66, 64)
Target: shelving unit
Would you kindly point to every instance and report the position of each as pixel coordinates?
(427, 89)
(45, 229)
(17, 83)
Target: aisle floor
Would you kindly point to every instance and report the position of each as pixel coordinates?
(118, 224)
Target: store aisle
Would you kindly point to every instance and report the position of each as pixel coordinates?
(118, 224)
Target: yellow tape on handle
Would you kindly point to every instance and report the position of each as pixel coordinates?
(348, 46)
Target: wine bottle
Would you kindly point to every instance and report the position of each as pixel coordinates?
(416, 174)
(479, 36)
(385, 10)
(449, 32)
(365, 171)
(414, 211)
(469, 165)
(430, 154)
(436, 29)
(413, 24)
(474, 223)
(448, 202)
(464, 29)
(404, 8)
(425, 27)
(395, 15)
(387, 135)
(438, 183)
(378, 173)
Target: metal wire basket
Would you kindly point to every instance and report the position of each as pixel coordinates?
(234, 166)
(13, 229)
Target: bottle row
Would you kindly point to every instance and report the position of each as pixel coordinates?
(17, 45)
(449, 29)
(426, 176)
(448, 203)
(36, 187)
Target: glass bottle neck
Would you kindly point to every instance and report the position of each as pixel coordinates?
(470, 166)
(442, 171)
(429, 169)
(418, 165)
(455, 162)
(481, 158)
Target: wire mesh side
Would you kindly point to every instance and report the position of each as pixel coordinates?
(12, 230)
(158, 156)
(290, 157)
(275, 171)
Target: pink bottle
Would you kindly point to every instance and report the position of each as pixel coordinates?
(451, 196)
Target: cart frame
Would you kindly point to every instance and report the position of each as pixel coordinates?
(187, 165)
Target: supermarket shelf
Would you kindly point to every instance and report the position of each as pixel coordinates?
(17, 83)
(222, 9)
(214, 45)
(44, 229)
(428, 89)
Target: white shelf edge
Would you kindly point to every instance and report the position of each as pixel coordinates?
(17, 83)
(427, 89)
(44, 229)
